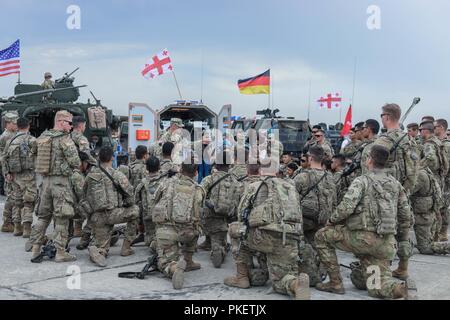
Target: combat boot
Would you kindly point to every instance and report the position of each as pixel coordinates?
(190, 264)
(335, 284)
(406, 290)
(205, 245)
(26, 229)
(96, 257)
(402, 271)
(217, 257)
(63, 256)
(18, 231)
(443, 237)
(77, 226)
(84, 241)
(35, 250)
(300, 287)
(241, 279)
(126, 248)
(7, 227)
(178, 273)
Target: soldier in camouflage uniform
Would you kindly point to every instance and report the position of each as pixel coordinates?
(414, 137)
(144, 193)
(277, 237)
(10, 119)
(172, 134)
(111, 197)
(286, 158)
(426, 200)
(48, 82)
(369, 234)
(350, 149)
(341, 180)
(322, 142)
(82, 144)
(222, 198)
(19, 157)
(166, 163)
(176, 212)
(440, 129)
(402, 165)
(56, 197)
(369, 131)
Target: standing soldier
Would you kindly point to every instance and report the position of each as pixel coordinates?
(221, 201)
(19, 158)
(82, 144)
(326, 146)
(48, 82)
(440, 129)
(166, 163)
(350, 149)
(173, 135)
(10, 120)
(57, 157)
(110, 195)
(365, 224)
(176, 213)
(402, 165)
(414, 137)
(273, 222)
(369, 131)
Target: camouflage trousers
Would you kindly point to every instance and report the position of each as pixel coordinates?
(9, 204)
(171, 243)
(24, 194)
(56, 201)
(216, 228)
(373, 251)
(150, 229)
(102, 224)
(425, 239)
(282, 259)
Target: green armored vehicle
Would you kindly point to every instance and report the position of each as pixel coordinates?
(40, 106)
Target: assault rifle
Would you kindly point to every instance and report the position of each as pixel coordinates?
(151, 266)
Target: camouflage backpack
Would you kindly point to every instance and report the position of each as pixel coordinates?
(443, 156)
(222, 195)
(44, 151)
(96, 194)
(317, 202)
(18, 155)
(383, 208)
(280, 207)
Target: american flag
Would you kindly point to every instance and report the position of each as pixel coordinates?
(10, 59)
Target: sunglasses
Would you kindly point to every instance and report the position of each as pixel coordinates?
(383, 114)
(69, 122)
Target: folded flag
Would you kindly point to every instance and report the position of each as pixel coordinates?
(10, 59)
(259, 84)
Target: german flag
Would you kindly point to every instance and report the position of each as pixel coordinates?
(256, 85)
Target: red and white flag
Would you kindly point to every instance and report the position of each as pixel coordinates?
(330, 100)
(158, 65)
(347, 123)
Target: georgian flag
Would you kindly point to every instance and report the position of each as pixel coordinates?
(330, 100)
(158, 65)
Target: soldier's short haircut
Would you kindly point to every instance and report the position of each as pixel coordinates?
(379, 155)
(359, 125)
(373, 125)
(316, 153)
(105, 154)
(427, 118)
(441, 122)
(152, 164)
(413, 125)
(140, 152)
(83, 156)
(226, 161)
(393, 110)
(253, 169)
(317, 127)
(77, 120)
(293, 166)
(189, 168)
(167, 148)
(340, 157)
(23, 123)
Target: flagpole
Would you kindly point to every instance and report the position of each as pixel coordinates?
(354, 82)
(309, 99)
(176, 82)
(270, 88)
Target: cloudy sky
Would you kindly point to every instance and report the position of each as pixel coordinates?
(300, 41)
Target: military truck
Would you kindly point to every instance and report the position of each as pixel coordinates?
(40, 107)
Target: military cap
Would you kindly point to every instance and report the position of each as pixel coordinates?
(11, 116)
(412, 126)
(47, 75)
(427, 125)
(177, 121)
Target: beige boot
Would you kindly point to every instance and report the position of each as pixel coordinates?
(190, 264)
(443, 237)
(126, 248)
(77, 226)
(35, 250)
(406, 290)
(63, 256)
(7, 227)
(300, 287)
(402, 270)
(26, 229)
(335, 284)
(18, 231)
(178, 273)
(241, 279)
(96, 257)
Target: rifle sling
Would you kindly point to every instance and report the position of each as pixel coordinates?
(215, 184)
(116, 185)
(313, 187)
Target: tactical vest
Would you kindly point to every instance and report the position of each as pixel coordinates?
(100, 191)
(278, 208)
(443, 157)
(146, 189)
(429, 197)
(19, 156)
(45, 157)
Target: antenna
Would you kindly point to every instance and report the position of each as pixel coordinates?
(201, 80)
